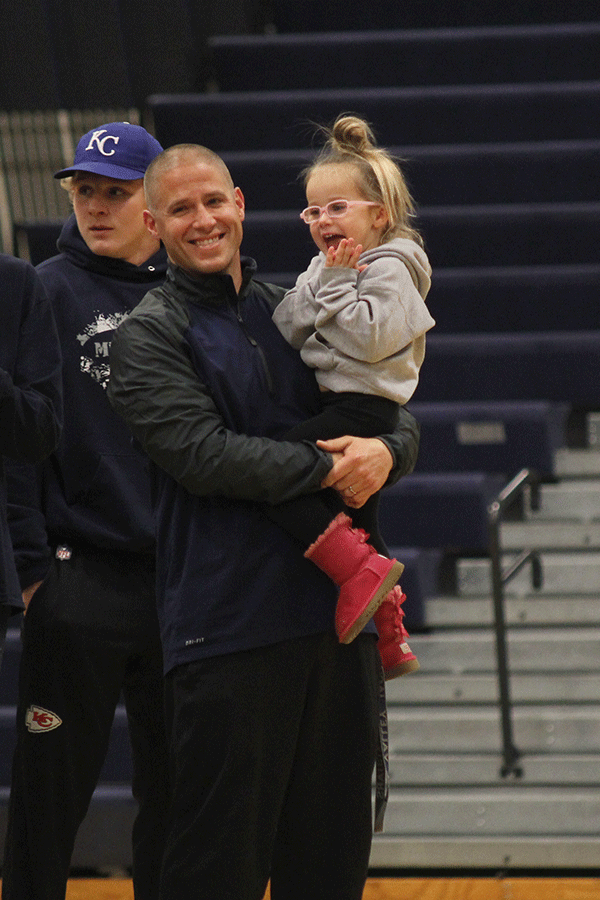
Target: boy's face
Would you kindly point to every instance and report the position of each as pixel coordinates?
(110, 217)
(198, 216)
(364, 224)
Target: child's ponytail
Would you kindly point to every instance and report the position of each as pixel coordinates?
(351, 140)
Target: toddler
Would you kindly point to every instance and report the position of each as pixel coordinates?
(358, 317)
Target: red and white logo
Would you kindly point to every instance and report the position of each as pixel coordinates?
(38, 719)
(63, 552)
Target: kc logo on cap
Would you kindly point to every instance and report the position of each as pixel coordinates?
(100, 143)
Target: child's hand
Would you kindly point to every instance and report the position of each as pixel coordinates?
(345, 255)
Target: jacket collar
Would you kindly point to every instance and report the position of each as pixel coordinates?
(214, 289)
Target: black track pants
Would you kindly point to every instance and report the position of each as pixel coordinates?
(273, 753)
(90, 635)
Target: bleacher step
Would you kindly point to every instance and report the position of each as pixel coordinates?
(543, 729)
(541, 650)
(572, 463)
(510, 811)
(530, 609)
(570, 572)
(425, 689)
(476, 769)
(471, 852)
(553, 535)
(571, 499)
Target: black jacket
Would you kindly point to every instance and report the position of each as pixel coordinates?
(30, 391)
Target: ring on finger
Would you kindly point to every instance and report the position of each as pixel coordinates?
(351, 489)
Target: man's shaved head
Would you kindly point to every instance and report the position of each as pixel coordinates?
(172, 158)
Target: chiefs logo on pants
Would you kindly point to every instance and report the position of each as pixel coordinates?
(38, 719)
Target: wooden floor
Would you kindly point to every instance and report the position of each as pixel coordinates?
(401, 889)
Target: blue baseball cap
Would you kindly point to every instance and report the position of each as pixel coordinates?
(118, 150)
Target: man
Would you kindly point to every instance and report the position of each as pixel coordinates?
(84, 543)
(273, 723)
(30, 397)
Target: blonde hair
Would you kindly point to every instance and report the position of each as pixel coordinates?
(351, 141)
(68, 184)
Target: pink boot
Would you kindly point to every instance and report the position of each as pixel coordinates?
(396, 655)
(363, 576)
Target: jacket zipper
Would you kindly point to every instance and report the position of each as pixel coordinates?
(254, 343)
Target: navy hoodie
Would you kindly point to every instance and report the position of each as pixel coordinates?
(95, 489)
(30, 401)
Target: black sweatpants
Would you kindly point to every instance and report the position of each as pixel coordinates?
(273, 752)
(90, 634)
(361, 415)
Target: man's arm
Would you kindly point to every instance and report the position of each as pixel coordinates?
(155, 388)
(30, 379)
(363, 466)
(27, 524)
(403, 444)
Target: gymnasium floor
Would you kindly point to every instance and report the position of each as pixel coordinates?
(401, 889)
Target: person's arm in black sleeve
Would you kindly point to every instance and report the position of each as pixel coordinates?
(155, 388)
(403, 444)
(30, 372)
(27, 522)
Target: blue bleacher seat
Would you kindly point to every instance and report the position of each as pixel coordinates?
(420, 580)
(561, 366)
(406, 57)
(463, 114)
(486, 236)
(566, 171)
(447, 511)
(490, 436)
(515, 298)
(511, 234)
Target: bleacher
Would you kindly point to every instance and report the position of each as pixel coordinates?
(498, 128)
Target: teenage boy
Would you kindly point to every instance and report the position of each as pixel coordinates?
(85, 548)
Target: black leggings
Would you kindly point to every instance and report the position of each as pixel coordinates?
(361, 415)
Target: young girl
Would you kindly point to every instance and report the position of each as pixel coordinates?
(358, 317)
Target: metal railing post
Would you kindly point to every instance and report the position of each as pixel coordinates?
(514, 489)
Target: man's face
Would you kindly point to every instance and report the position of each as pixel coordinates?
(198, 216)
(110, 217)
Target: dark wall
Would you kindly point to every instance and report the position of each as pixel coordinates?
(82, 54)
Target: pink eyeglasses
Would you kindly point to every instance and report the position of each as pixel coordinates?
(333, 210)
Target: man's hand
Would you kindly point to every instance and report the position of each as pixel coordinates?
(361, 467)
(29, 592)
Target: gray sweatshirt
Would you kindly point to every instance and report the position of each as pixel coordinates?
(362, 331)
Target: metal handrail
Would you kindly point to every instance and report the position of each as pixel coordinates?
(513, 490)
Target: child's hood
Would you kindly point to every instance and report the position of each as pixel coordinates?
(411, 254)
